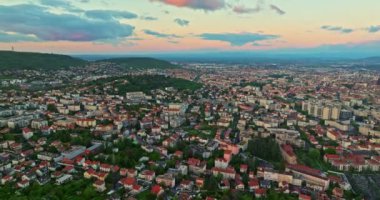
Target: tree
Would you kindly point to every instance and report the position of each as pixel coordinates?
(330, 151)
(314, 154)
(211, 184)
(52, 108)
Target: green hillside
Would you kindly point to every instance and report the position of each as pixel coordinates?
(141, 63)
(26, 60)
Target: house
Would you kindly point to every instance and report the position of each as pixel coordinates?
(105, 167)
(196, 166)
(239, 185)
(89, 173)
(46, 130)
(69, 169)
(253, 184)
(99, 185)
(79, 160)
(147, 175)
(38, 124)
(136, 189)
(123, 171)
(338, 192)
(314, 178)
(228, 173)
(265, 184)
(178, 154)
(304, 197)
(169, 142)
(86, 123)
(63, 179)
(27, 133)
(260, 192)
(156, 129)
(56, 174)
(131, 173)
(167, 180)
(224, 184)
(288, 154)
(23, 184)
(221, 163)
(6, 179)
(199, 182)
(157, 190)
(243, 168)
(128, 182)
(227, 155)
(334, 135)
(186, 184)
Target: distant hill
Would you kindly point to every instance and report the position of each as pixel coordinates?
(371, 60)
(141, 63)
(26, 60)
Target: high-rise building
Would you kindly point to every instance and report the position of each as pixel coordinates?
(318, 111)
(345, 114)
(322, 109)
(326, 113)
(335, 113)
(305, 105)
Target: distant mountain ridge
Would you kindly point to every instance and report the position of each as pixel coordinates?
(10, 60)
(141, 63)
(28, 60)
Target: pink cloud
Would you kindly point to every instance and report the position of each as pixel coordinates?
(196, 4)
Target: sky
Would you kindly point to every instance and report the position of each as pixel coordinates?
(180, 26)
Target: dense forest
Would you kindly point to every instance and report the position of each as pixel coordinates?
(266, 149)
(78, 189)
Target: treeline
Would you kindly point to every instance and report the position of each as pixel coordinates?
(141, 63)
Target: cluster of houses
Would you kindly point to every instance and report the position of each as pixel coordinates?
(215, 123)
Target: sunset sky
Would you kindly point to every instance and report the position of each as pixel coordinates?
(151, 26)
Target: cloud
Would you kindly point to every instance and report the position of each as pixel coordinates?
(373, 29)
(61, 4)
(109, 14)
(55, 3)
(196, 4)
(173, 41)
(15, 37)
(277, 9)
(35, 20)
(237, 39)
(337, 29)
(148, 18)
(160, 35)
(182, 22)
(244, 10)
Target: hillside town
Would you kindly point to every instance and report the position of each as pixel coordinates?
(203, 131)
